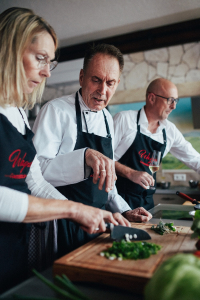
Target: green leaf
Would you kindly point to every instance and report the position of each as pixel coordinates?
(57, 289)
(197, 214)
(68, 285)
(33, 298)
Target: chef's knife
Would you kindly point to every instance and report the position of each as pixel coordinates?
(119, 232)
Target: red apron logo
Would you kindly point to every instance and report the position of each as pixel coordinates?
(18, 161)
(145, 157)
(21, 176)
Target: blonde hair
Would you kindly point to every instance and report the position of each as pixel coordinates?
(19, 27)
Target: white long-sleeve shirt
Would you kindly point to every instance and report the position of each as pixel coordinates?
(14, 204)
(55, 137)
(125, 128)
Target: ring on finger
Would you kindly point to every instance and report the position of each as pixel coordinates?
(103, 171)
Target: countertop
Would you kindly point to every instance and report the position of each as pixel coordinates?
(33, 287)
(183, 189)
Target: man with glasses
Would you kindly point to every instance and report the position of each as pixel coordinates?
(138, 133)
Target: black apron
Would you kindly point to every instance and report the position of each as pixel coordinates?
(70, 235)
(138, 158)
(17, 153)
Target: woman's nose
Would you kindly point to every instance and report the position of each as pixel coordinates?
(46, 71)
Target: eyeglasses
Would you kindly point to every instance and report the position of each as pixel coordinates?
(170, 100)
(42, 63)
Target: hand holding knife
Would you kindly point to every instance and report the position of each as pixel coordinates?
(119, 232)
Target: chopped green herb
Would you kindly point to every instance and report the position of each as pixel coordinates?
(130, 250)
(162, 228)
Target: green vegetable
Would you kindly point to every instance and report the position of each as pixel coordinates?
(68, 285)
(196, 228)
(69, 291)
(33, 298)
(162, 228)
(197, 214)
(178, 278)
(130, 250)
(196, 225)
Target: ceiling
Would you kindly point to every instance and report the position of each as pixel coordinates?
(79, 21)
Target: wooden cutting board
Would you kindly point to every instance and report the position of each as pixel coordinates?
(85, 263)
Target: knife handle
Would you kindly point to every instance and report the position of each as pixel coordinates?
(186, 197)
(109, 227)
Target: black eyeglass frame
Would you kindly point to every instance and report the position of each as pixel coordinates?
(170, 99)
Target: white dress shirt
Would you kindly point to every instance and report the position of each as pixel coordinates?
(55, 137)
(14, 204)
(126, 129)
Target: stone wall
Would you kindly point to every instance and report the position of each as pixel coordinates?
(180, 64)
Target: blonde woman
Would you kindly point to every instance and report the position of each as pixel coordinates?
(27, 57)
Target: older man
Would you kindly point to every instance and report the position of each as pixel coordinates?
(138, 133)
(73, 138)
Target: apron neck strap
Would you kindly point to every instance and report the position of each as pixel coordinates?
(165, 142)
(78, 114)
(22, 116)
(163, 131)
(138, 117)
(107, 127)
(164, 136)
(78, 118)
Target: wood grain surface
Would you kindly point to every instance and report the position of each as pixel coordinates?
(85, 263)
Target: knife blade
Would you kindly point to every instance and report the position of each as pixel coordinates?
(119, 232)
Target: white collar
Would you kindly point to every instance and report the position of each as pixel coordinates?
(144, 121)
(84, 107)
(143, 118)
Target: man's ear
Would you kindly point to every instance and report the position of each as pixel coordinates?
(118, 82)
(81, 75)
(151, 98)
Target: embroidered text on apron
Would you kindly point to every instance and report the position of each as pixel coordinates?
(22, 246)
(138, 158)
(17, 154)
(70, 236)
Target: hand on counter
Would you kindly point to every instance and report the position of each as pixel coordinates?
(102, 167)
(137, 215)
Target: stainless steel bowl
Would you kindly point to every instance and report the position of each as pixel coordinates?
(193, 184)
(165, 185)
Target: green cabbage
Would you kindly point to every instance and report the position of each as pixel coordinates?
(178, 278)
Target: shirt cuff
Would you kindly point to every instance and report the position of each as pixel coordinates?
(87, 169)
(13, 205)
(116, 203)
